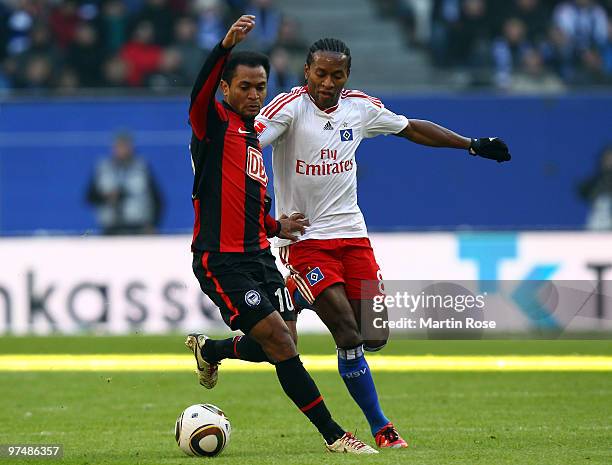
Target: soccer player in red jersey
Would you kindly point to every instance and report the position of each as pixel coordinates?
(231, 251)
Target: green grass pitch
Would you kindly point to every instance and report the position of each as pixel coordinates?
(491, 418)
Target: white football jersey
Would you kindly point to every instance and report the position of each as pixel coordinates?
(313, 157)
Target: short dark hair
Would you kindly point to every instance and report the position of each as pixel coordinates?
(250, 59)
(329, 45)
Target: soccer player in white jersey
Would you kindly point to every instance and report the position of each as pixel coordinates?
(314, 131)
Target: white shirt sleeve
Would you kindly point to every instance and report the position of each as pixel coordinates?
(274, 119)
(378, 120)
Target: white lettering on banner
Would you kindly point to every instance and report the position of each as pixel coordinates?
(114, 285)
(255, 166)
(118, 285)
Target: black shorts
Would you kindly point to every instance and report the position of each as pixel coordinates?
(246, 287)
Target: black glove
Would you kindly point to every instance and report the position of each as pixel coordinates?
(492, 148)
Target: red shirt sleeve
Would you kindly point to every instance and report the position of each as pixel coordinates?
(273, 227)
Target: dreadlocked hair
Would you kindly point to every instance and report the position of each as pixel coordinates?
(329, 45)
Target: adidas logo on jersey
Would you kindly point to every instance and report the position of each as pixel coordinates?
(328, 127)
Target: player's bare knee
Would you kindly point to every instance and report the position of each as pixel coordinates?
(375, 339)
(374, 345)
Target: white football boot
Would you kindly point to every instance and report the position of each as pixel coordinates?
(349, 444)
(207, 371)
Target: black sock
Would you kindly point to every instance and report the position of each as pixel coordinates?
(302, 390)
(241, 347)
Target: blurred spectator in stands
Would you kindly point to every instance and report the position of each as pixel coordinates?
(89, 10)
(124, 192)
(597, 191)
(67, 82)
(268, 20)
(508, 51)
(168, 75)
(534, 14)
(583, 21)
(591, 71)
(39, 60)
(533, 77)
(606, 51)
(186, 44)
(445, 17)
(469, 38)
(559, 54)
(141, 55)
(64, 20)
(408, 21)
(161, 17)
(6, 79)
(403, 11)
(236, 7)
(8, 73)
(179, 7)
(83, 55)
(211, 22)
(290, 37)
(112, 24)
(115, 72)
(282, 77)
(40, 42)
(37, 74)
(19, 23)
(4, 32)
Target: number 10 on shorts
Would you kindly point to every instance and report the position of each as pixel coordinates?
(284, 299)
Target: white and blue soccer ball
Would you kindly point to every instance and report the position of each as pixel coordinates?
(202, 430)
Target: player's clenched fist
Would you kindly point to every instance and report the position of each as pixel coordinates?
(238, 31)
(492, 148)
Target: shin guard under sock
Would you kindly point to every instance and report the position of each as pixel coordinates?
(302, 390)
(357, 377)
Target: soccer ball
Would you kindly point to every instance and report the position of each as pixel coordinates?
(202, 430)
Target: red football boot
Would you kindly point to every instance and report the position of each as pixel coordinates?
(389, 438)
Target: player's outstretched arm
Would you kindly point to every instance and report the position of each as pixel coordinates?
(209, 77)
(433, 135)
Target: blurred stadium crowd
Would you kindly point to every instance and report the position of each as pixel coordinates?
(519, 44)
(66, 45)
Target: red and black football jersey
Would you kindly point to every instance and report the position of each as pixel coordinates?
(229, 188)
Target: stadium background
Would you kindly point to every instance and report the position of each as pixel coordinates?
(534, 72)
(468, 65)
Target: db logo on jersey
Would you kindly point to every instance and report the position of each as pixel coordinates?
(255, 166)
(259, 127)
